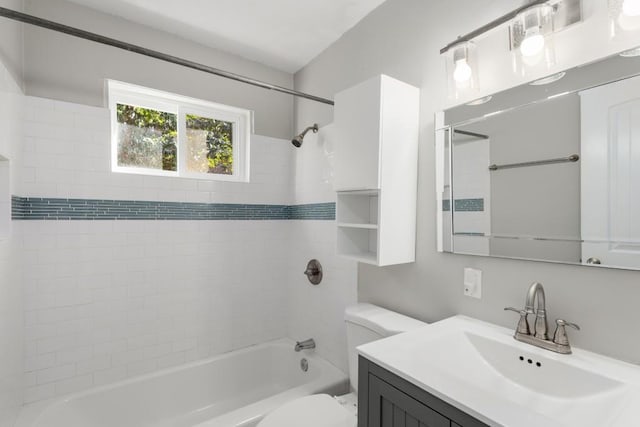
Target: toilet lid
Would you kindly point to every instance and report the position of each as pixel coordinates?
(318, 410)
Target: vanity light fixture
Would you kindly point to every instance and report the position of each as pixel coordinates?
(531, 29)
(531, 37)
(532, 43)
(462, 69)
(624, 16)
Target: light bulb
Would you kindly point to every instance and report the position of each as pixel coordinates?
(463, 71)
(532, 44)
(631, 7)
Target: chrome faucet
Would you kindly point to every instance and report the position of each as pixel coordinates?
(539, 334)
(536, 292)
(305, 345)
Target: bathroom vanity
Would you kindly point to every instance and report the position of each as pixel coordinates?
(463, 372)
(391, 401)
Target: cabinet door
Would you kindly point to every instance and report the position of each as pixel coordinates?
(357, 148)
(389, 407)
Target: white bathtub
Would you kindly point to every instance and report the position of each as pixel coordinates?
(234, 389)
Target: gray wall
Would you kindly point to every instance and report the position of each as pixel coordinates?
(70, 69)
(402, 39)
(11, 41)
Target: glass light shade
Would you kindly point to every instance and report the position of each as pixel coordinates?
(462, 70)
(532, 39)
(624, 16)
(532, 44)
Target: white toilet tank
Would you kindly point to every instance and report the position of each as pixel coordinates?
(366, 323)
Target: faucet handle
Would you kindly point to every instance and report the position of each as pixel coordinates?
(523, 324)
(560, 336)
(561, 322)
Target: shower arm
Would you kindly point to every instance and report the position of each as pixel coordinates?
(314, 128)
(87, 35)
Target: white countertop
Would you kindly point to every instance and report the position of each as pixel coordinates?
(476, 367)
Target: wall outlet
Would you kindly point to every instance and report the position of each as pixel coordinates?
(473, 283)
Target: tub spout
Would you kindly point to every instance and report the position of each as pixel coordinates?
(305, 345)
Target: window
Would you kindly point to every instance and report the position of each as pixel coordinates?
(159, 133)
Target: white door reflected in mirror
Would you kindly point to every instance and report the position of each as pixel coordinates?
(610, 178)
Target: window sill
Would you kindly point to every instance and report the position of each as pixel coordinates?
(196, 176)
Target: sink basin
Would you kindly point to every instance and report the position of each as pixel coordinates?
(479, 368)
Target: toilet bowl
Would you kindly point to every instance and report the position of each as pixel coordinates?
(364, 323)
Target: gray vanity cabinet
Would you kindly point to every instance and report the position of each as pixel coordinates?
(386, 400)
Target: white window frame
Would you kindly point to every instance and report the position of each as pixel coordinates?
(139, 96)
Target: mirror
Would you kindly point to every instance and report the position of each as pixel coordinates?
(547, 171)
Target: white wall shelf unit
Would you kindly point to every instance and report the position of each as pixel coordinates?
(376, 155)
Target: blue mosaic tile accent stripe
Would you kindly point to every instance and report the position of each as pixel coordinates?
(313, 211)
(464, 205)
(469, 205)
(36, 208)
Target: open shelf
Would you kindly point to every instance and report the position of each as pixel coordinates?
(360, 244)
(357, 207)
(366, 257)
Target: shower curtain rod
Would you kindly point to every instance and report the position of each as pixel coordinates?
(76, 32)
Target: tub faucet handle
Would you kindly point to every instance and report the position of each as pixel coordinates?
(314, 272)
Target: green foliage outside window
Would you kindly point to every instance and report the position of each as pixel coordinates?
(209, 145)
(147, 138)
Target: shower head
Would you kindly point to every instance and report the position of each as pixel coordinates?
(297, 141)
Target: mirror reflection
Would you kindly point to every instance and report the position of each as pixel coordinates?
(553, 174)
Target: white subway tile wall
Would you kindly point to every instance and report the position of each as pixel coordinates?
(318, 311)
(67, 154)
(11, 329)
(108, 300)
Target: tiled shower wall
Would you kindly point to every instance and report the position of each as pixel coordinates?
(11, 329)
(67, 155)
(318, 311)
(111, 299)
(107, 300)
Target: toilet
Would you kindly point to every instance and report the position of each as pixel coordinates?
(364, 323)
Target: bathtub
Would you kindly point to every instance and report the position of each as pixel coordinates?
(231, 390)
